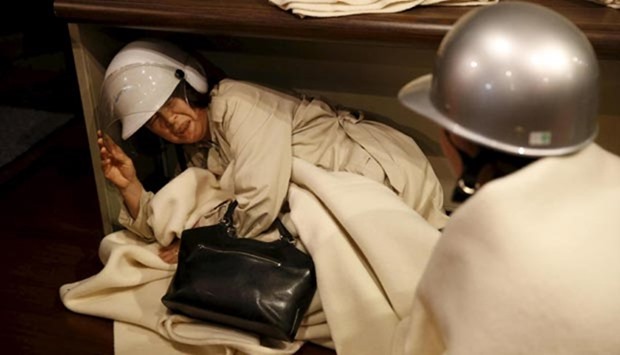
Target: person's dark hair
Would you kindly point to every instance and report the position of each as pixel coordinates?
(194, 98)
(495, 163)
(146, 143)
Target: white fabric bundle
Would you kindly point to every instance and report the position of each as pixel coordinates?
(335, 8)
(529, 265)
(369, 258)
(614, 4)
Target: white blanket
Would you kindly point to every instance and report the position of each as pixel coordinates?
(530, 265)
(337, 8)
(369, 249)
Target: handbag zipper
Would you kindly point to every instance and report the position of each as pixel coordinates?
(217, 250)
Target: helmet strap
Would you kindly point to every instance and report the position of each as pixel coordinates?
(469, 182)
(486, 165)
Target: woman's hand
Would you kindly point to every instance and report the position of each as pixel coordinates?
(170, 254)
(118, 168)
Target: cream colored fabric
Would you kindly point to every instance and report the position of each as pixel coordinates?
(336, 8)
(191, 201)
(369, 249)
(129, 287)
(530, 264)
(140, 224)
(614, 4)
(257, 131)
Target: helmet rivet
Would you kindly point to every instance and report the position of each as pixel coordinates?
(179, 74)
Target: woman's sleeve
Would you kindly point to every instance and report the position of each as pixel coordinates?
(139, 225)
(258, 125)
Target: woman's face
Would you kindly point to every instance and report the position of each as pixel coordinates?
(179, 123)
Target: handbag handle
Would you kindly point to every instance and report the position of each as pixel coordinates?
(286, 235)
(227, 221)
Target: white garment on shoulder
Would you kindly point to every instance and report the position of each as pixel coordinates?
(530, 264)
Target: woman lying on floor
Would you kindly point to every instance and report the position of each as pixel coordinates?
(247, 136)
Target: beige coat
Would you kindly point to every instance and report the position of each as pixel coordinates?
(256, 131)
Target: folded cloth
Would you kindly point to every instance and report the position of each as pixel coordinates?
(614, 4)
(369, 249)
(335, 8)
(189, 202)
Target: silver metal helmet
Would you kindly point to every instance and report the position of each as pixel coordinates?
(516, 77)
(141, 78)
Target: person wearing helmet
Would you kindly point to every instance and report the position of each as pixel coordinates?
(247, 135)
(528, 264)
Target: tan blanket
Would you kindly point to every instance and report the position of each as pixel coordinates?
(369, 249)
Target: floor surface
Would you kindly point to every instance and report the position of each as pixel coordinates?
(51, 230)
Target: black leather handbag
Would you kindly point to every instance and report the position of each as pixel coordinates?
(261, 287)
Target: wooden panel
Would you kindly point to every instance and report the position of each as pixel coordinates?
(424, 26)
(90, 70)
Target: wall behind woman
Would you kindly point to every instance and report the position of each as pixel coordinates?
(609, 118)
(38, 88)
(368, 77)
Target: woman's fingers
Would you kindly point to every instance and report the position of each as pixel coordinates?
(170, 253)
(110, 150)
(169, 256)
(118, 153)
(103, 151)
(111, 145)
(117, 167)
